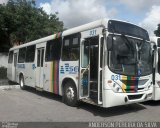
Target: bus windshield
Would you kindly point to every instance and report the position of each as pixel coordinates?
(127, 29)
(130, 56)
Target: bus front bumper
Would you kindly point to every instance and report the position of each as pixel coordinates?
(110, 98)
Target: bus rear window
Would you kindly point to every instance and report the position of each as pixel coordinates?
(10, 58)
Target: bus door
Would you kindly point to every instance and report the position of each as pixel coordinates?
(15, 66)
(90, 83)
(84, 70)
(156, 74)
(39, 69)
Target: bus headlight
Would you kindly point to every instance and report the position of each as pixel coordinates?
(116, 87)
(148, 87)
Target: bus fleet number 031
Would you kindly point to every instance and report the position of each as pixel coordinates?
(115, 77)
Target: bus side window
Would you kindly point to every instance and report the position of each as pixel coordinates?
(10, 58)
(22, 55)
(30, 53)
(38, 57)
(66, 50)
(53, 50)
(70, 51)
(75, 49)
(159, 60)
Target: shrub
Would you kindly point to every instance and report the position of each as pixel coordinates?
(3, 73)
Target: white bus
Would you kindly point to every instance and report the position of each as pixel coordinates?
(156, 67)
(105, 63)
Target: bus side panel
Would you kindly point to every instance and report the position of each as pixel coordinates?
(51, 77)
(156, 95)
(21, 70)
(30, 74)
(68, 69)
(47, 79)
(156, 87)
(9, 71)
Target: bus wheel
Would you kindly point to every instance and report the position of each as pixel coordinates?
(70, 94)
(21, 82)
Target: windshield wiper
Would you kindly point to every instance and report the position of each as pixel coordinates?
(127, 42)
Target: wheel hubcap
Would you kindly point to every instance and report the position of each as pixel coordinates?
(70, 93)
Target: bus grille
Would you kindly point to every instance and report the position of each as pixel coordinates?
(133, 97)
(132, 86)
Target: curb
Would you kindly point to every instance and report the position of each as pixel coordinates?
(8, 87)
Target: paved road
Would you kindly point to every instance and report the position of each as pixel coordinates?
(30, 105)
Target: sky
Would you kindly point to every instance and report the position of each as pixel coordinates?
(77, 12)
(145, 13)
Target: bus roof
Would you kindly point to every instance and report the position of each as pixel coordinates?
(99, 23)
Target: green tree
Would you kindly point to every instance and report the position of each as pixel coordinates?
(4, 37)
(21, 21)
(157, 32)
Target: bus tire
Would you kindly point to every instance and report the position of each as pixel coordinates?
(21, 82)
(70, 94)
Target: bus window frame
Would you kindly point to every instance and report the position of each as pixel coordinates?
(20, 54)
(71, 46)
(10, 61)
(54, 41)
(34, 54)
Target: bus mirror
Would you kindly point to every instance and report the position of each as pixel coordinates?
(110, 43)
(158, 42)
